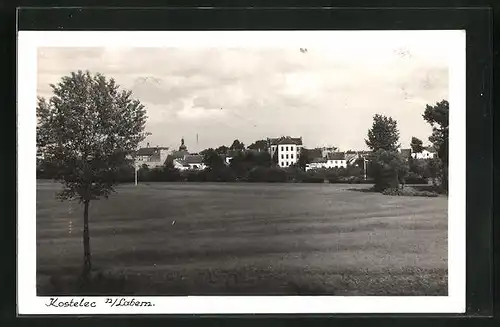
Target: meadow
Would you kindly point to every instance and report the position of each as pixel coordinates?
(246, 239)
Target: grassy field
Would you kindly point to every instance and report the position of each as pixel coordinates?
(243, 239)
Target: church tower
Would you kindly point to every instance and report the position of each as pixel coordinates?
(183, 146)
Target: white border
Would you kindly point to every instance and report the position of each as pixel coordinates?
(29, 303)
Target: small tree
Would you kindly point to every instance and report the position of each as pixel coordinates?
(384, 134)
(87, 131)
(416, 145)
(212, 159)
(438, 117)
(237, 146)
(387, 167)
(304, 159)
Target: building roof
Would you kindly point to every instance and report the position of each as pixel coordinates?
(285, 140)
(314, 153)
(149, 151)
(336, 156)
(193, 159)
(318, 160)
(430, 149)
(351, 157)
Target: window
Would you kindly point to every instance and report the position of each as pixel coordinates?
(291, 156)
(287, 156)
(282, 156)
(282, 148)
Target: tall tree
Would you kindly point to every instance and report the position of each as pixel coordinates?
(438, 117)
(416, 145)
(87, 131)
(384, 134)
(237, 146)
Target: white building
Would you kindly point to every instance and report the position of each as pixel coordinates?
(287, 149)
(151, 156)
(189, 162)
(316, 163)
(427, 153)
(332, 160)
(336, 160)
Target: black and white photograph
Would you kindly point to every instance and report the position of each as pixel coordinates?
(224, 166)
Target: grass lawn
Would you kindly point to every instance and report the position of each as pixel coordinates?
(244, 238)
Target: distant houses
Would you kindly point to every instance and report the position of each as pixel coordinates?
(428, 152)
(336, 160)
(190, 162)
(181, 159)
(285, 151)
(152, 157)
(331, 160)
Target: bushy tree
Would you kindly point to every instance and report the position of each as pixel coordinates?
(304, 159)
(416, 145)
(212, 159)
(237, 146)
(388, 169)
(384, 134)
(86, 132)
(222, 150)
(438, 117)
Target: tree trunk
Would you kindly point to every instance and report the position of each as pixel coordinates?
(86, 241)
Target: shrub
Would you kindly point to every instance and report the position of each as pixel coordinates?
(414, 178)
(388, 169)
(194, 175)
(270, 175)
(408, 191)
(221, 174)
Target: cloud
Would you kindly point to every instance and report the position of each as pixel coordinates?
(327, 96)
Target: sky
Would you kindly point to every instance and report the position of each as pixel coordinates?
(327, 95)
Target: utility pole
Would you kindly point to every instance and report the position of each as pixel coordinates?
(364, 166)
(135, 172)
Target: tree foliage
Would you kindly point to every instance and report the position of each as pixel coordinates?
(304, 159)
(212, 159)
(222, 150)
(384, 134)
(388, 169)
(438, 117)
(237, 146)
(87, 132)
(416, 145)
